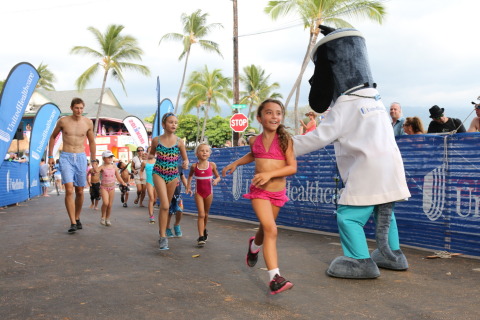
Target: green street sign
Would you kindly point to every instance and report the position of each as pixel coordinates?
(239, 106)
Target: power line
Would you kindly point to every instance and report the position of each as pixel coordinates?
(272, 30)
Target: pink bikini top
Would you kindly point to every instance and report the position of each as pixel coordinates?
(275, 152)
(108, 176)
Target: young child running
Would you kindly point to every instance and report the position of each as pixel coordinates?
(93, 179)
(125, 174)
(108, 173)
(203, 171)
(152, 194)
(176, 207)
(274, 159)
(167, 148)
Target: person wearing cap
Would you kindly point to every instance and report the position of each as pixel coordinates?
(73, 160)
(250, 133)
(475, 124)
(397, 119)
(312, 123)
(442, 124)
(108, 173)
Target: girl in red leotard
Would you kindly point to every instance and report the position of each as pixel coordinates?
(203, 171)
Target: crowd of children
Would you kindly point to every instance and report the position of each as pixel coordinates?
(162, 170)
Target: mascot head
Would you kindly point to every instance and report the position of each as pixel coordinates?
(341, 67)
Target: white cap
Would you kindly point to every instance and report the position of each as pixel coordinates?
(107, 154)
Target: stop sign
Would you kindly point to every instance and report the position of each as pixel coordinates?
(239, 122)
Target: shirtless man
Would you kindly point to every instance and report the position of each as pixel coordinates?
(475, 125)
(73, 161)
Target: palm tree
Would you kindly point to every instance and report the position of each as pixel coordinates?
(47, 78)
(194, 101)
(257, 87)
(209, 87)
(317, 12)
(115, 51)
(195, 28)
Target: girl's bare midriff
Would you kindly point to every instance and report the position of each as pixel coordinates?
(266, 165)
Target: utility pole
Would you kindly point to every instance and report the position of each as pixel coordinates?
(236, 85)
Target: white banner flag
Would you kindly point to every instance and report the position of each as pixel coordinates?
(137, 130)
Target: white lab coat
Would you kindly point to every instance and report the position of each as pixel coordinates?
(367, 154)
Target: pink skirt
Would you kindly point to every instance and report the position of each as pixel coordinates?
(277, 198)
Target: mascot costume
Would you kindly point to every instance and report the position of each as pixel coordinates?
(367, 155)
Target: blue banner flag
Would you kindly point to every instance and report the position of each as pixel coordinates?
(43, 126)
(165, 106)
(156, 126)
(16, 93)
(156, 120)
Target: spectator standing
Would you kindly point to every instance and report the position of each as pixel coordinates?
(312, 123)
(397, 119)
(44, 177)
(440, 123)
(139, 177)
(57, 174)
(475, 124)
(413, 125)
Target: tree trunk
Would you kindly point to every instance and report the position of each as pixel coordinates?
(183, 80)
(297, 97)
(207, 107)
(313, 40)
(250, 109)
(198, 125)
(95, 131)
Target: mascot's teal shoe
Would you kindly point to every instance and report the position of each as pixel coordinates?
(401, 262)
(346, 267)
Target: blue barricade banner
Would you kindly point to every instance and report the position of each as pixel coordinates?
(443, 175)
(13, 182)
(43, 126)
(16, 93)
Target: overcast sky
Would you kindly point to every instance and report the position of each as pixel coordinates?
(427, 52)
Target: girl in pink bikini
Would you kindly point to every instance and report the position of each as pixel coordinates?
(203, 171)
(108, 173)
(274, 159)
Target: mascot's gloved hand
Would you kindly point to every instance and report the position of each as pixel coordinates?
(384, 256)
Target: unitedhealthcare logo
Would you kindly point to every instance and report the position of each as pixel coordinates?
(13, 185)
(35, 155)
(4, 136)
(434, 193)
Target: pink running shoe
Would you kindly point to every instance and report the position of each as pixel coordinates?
(279, 284)
(252, 257)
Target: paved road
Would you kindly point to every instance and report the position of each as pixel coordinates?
(117, 272)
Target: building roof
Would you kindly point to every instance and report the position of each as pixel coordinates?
(111, 108)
